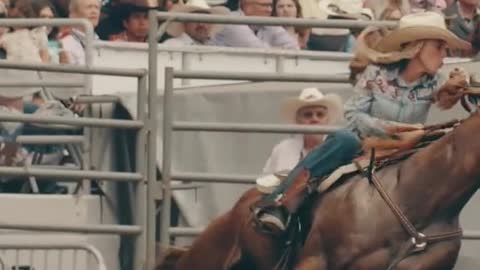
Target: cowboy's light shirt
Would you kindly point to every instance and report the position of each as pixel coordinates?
(382, 98)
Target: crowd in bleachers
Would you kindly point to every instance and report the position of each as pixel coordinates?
(126, 21)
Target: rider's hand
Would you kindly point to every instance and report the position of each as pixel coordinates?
(449, 93)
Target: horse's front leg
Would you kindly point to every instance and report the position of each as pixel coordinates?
(440, 256)
(313, 257)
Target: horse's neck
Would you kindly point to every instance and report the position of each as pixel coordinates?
(439, 180)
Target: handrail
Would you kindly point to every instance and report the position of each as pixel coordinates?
(88, 229)
(271, 21)
(109, 71)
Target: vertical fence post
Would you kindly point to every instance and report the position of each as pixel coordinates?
(167, 155)
(141, 194)
(152, 138)
(87, 131)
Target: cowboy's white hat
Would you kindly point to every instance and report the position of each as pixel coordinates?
(177, 28)
(313, 97)
(420, 26)
(348, 9)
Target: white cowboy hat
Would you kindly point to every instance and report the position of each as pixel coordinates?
(348, 9)
(177, 28)
(313, 97)
(420, 26)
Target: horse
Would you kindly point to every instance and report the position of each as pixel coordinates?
(351, 225)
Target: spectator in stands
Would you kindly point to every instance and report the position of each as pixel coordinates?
(255, 36)
(3, 30)
(311, 107)
(423, 5)
(134, 21)
(25, 44)
(323, 39)
(389, 9)
(73, 41)
(45, 10)
(194, 33)
(292, 9)
(464, 19)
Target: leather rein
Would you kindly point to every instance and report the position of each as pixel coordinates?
(418, 242)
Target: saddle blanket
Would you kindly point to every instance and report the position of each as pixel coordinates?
(267, 183)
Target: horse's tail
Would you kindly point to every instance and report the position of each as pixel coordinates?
(170, 259)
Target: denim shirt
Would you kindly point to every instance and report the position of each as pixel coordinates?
(383, 98)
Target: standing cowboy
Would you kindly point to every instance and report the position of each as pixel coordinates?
(390, 99)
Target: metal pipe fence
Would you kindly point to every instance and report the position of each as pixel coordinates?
(143, 169)
(39, 256)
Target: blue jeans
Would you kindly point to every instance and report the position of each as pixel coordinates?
(339, 149)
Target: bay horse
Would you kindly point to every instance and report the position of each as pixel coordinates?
(352, 227)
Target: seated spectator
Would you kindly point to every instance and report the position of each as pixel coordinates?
(312, 107)
(134, 20)
(194, 33)
(253, 36)
(323, 39)
(292, 9)
(73, 41)
(464, 19)
(3, 30)
(25, 44)
(428, 5)
(393, 9)
(45, 10)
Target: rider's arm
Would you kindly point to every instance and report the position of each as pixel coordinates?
(357, 113)
(358, 107)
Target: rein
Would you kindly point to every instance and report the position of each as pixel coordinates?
(418, 241)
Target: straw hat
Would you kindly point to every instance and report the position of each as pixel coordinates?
(420, 26)
(313, 97)
(177, 28)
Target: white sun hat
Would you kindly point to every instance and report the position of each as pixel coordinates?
(313, 97)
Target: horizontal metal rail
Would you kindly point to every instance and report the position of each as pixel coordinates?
(195, 231)
(248, 128)
(69, 121)
(186, 186)
(185, 231)
(261, 76)
(213, 178)
(97, 99)
(50, 84)
(49, 139)
(272, 21)
(89, 229)
(44, 22)
(108, 71)
(70, 175)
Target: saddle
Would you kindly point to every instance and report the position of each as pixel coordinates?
(386, 153)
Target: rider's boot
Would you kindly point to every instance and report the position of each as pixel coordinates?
(273, 212)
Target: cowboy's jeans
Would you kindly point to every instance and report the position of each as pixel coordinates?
(339, 149)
